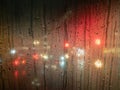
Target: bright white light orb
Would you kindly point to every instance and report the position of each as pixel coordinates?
(62, 58)
(66, 56)
(12, 51)
(45, 57)
(80, 52)
(36, 42)
(98, 64)
(62, 64)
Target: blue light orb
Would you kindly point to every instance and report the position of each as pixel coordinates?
(62, 58)
(62, 64)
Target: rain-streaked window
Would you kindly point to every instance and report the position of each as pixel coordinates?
(59, 45)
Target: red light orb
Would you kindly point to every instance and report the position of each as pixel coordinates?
(35, 56)
(16, 62)
(16, 74)
(23, 61)
(66, 45)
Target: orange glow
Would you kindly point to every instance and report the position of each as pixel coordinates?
(35, 56)
(16, 62)
(36, 42)
(66, 45)
(97, 41)
(66, 56)
(23, 61)
(98, 64)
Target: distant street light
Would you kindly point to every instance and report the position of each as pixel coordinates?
(12, 51)
(36, 42)
(66, 56)
(62, 58)
(97, 42)
(98, 64)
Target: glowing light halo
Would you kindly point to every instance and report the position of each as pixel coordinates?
(12, 51)
(97, 41)
(98, 64)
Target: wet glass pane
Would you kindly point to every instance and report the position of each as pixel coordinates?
(59, 45)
